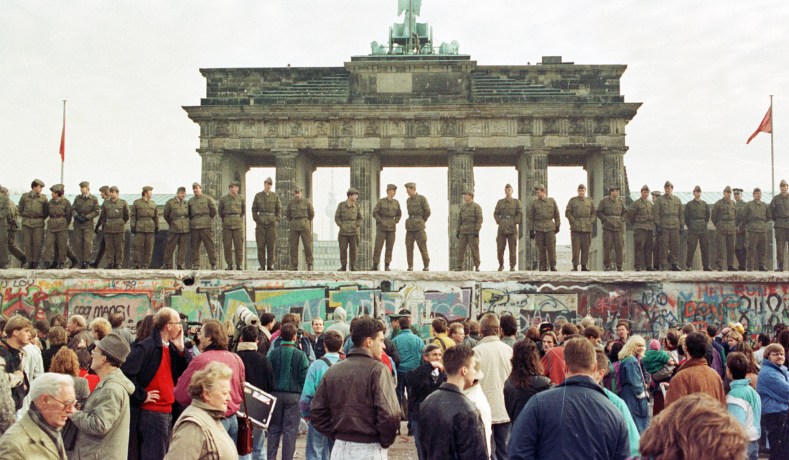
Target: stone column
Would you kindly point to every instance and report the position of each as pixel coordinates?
(286, 180)
(211, 180)
(460, 177)
(532, 170)
(366, 177)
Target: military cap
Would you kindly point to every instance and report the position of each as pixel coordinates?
(268, 181)
(737, 190)
(697, 189)
(581, 187)
(645, 187)
(508, 186)
(539, 187)
(235, 183)
(410, 185)
(195, 185)
(656, 192)
(84, 184)
(104, 188)
(297, 189)
(757, 190)
(38, 182)
(613, 187)
(147, 188)
(668, 184)
(468, 192)
(56, 188)
(391, 187)
(727, 189)
(181, 189)
(352, 191)
(114, 189)
(783, 182)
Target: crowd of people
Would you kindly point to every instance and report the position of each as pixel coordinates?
(470, 390)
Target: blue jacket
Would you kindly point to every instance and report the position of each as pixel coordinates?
(314, 376)
(575, 415)
(409, 346)
(633, 391)
(773, 387)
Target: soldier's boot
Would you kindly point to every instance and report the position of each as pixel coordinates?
(374, 268)
(74, 262)
(707, 269)
(166, 267)
(553, 268)
(512, 268)
(309, 267)
(609, 268)
(180, 267)
(619, 268)
(688, 268)
(386, 268)
(269, 267)
(425, 268)
(584, 268)
(501, 267)
(353, 268)
(476, 268)
(23, 262)
(213, 267)
(229, 267)
(762, 268)
(638, 269)
(732, 268)
(675, 268)
(410, 268)
(574, 269)
(238, 267)
(780, 268)
(94, 264)
(60, 266)
(341, 269)
(650, 269)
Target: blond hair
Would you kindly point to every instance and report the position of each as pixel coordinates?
(630, 346)
(101, 327)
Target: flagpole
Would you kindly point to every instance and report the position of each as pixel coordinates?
(772, 141)
(62, 137)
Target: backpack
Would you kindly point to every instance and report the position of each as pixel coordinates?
(615, 376)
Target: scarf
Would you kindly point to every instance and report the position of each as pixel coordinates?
(54, 434)
(247, 346)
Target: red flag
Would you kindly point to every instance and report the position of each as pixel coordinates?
(63, 140)
(766, 126)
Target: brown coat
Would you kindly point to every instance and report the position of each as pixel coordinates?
(695, 376)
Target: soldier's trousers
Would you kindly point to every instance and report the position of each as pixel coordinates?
(757, 250)
(741, 250)
(233, 244)
(102, 247)
(205, 236)
(380, 238)
(293, 242)
(143, 249)
(669, 247)
(781, 242)
(420, 238)
(642, 248)
(693, 240)
(348, 244)
(581, 242)
(511, 240)
(3, 247)
(176, 239)
(546, 248)
(266, 238)
(13, 249)
(33, 242)
(471, 242)
(83, 242)
(115, 244)
(726, 245)
(613, 240)
(56, 248)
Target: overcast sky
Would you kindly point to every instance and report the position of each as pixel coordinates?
(703, 70)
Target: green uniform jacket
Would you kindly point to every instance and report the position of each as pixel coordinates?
(508, 215)
(176, 214)
(780, 209)
(740, 206)
(266, 209)
(612, 213)
(544, 215)
(724, 216)
(231, 211)
(300, 214)
(757, 216)
(144, 216)
(469, 218)
(202, 211)
(641, 215)
(349, 218)
(33, 207)
(13, 215)
(387, 214)
(580, 213)
(6, 212)
(418, 213)
(114, 215)
(668, 212)
(85, 208)
(59, 215)
(697, 214)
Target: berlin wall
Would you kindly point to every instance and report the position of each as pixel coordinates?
(653, 302)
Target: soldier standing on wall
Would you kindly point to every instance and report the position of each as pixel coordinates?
(59, 211)
(387, 215)
(202, 210)
(669, 224)
(349, 218)
(508, 216)
(176, 214)
(697, 214)
(267, 211)
(656, 237)
(104, 190)
(13, 228)
(580, 212)
(612, 212)
(780, 209)
(418, 213)
(469, 225)
(113, 218)
(724, 217)
(6, 213)
(642, 217)
(144, 227)
(757, 216)
(741, 243)
(231, 211)
(544, 221)
(33, 207)
(300, 214)
(85, 209)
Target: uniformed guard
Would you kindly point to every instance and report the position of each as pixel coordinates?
(508, 216)
(300, 214)
(387, 215)
(6, 214)
(232, 210)
(656, 239)
(202, 211)
(468, 226)
(33, 207)
(780, 209)
(741, 242)
(580, 212)
(104, 190)
(267, 211)
(697, 214)
(85, 209)
(176, 214)
(757, 216)
(642, 217)
(59, 213)
(418, 213)
(724, 217)
(113, 218)
(612, 213)
(669, 224)
(13, 220)
(349, 218)
(144, 227)
(544, 222)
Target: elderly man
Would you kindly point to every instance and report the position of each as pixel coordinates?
(37, 434)
(78, 331)
(104, 421)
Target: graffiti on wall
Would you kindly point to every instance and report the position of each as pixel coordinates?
(530, 307)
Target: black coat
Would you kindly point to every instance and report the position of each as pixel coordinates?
(515, 398)
(143, 362)
(420, 383)
(450, 426)
(257, 369)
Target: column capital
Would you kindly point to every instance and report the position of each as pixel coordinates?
(362, 152)
(210, 153)
(285, 152)
(462, 151)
